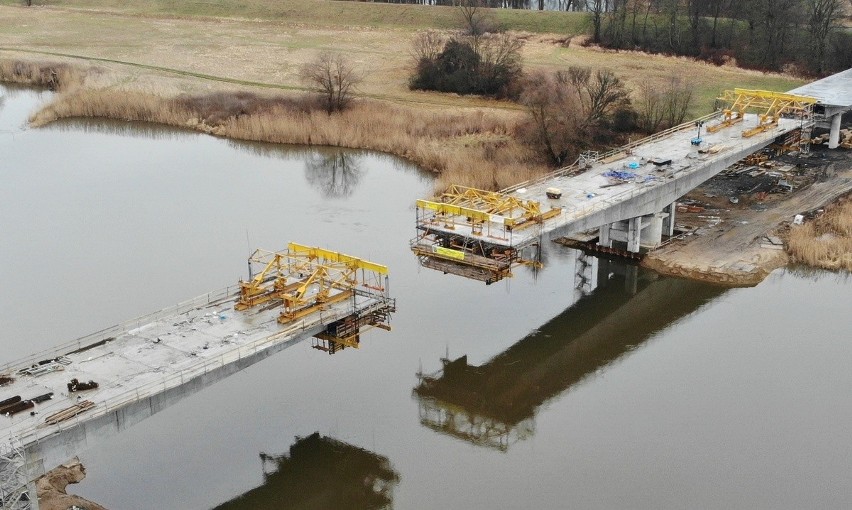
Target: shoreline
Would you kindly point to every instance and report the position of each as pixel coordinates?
(52, 488)
(738, 252)
(731, 255)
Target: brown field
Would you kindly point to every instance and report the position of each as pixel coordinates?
(141, 60)
(826, 241)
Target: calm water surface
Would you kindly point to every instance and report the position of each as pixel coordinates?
(620, 390)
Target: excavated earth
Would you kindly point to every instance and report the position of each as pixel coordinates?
(739, 244)
(51, 488)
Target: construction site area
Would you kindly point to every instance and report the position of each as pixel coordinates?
(753, 152)
(54, 402)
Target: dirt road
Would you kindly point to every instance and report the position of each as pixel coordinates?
(732, 252)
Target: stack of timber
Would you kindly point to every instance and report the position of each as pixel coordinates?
(69, 412)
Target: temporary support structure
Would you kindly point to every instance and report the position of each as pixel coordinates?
(769, 106)
(14, 487)
(468, 232)
(303, 280)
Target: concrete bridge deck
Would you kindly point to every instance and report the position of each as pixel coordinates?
(590, 199)
(651, 175)
(141, 366)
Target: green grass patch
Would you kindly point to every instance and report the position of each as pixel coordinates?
(706, 93)
(334, 13)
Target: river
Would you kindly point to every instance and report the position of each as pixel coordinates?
(618, 389)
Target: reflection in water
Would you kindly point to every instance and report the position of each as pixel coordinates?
(135, 129)
(495, 404)
(335, 173)
(319, 473)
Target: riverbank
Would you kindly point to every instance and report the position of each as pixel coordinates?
(159, 63)
(476, 149)
(52, 486)
(141, 60)
(740, 246)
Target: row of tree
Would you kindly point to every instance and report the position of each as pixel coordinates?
(803, 35)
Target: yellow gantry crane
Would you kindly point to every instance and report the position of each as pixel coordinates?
(304, 279)
(768, 105)
(479, 208)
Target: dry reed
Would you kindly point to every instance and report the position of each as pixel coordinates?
(471, 148)
(825, 242)
(53, 75)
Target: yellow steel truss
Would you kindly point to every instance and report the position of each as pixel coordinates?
(769, 106)
(261, 287)
(480, 206)
(304, 279)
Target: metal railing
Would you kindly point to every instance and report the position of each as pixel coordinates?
(573, 167)
(123, 327)
(175, 380)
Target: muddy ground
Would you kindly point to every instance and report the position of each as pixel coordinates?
(733, 225)
(51, 488)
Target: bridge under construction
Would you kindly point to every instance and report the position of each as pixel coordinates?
(627, 195)
(56, 403)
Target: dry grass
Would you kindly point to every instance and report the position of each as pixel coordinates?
(53, 75)
(472, 148)
(825, 242)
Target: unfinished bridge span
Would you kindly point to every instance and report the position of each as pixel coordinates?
(627, 195)
(55, 404)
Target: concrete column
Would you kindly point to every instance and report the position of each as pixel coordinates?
(604, 238)
(669, 221)
(634, 234)
(834, 134)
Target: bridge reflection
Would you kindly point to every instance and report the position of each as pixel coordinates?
(495, 404)
(319, 473)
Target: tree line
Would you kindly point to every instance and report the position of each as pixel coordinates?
(803, 36)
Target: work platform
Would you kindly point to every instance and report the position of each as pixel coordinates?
(482, 235)
(144, 365)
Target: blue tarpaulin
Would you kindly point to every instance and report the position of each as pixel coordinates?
(621, 175)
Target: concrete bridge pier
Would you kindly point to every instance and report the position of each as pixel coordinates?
(834, 131)
(639, 232)
(669, 219)
(604, 238)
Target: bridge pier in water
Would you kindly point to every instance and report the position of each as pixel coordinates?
(639, 232)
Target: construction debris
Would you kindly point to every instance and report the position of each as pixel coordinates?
(76, 385)
(69, 412)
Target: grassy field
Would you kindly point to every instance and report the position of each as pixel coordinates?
(163, 48)
(331, 13)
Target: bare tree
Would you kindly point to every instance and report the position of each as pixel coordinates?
(716, 7)
(553, 116)
(823, 19)
(600, 93)
(334, 77)
(499, 60)
(678, 100)
(597, 9)
(649, 112)
(476, 20)
(427, 45)
(571, 110)
(663, 107)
